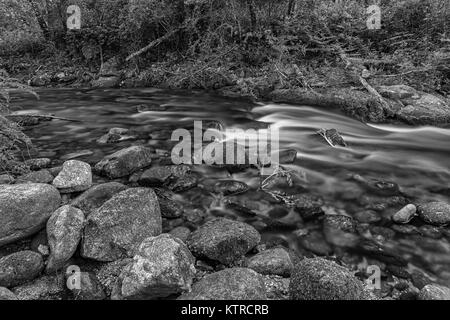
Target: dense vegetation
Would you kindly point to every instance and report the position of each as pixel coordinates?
(253, 45)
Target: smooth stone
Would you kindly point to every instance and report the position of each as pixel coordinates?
(96, 196)
(24, 209)
(75, 176)
(230, 187)
(117, 135)
(20, 267)
(162, 266)
(117, 228)
(436, 213)
(6, 295)
(64, 234)
(41, 176)
(124, 162)
(223, 240)
(229, 284)
(434, 292)
(272, 261)
(320, 279)
(405, 215)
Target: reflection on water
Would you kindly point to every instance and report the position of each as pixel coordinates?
(415, 158)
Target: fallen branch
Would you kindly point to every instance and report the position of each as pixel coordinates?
(153, 44)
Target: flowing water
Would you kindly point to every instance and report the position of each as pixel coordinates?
(416, 158)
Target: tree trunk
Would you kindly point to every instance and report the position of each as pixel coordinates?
(252, 13)
(40, 19)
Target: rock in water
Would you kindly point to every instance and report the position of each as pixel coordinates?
(273, 261)
(436, 213)
(162, 266)
(223, 240)
(115, 229)
(63, 233)
(24, 209)
(38, 164)
(157, 176)
(76, 176)
(170, 208)
(320, 279)
(405, 215)
(96, 196)
(229, 284)
(20, 267)
(434, 292)
(124, 162)
(333, 137)
(230, 187)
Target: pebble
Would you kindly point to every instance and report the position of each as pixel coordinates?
(405, 215)
(275, 261)
(75, 176)
(20, 267)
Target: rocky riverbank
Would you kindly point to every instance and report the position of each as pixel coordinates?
(121, 224)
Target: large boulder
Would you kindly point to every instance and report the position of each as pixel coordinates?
(320, 279)
(162, 266)
(63, 233)
(75, 176)
(223, 240)
(124, 162)
(117, 228)
(96, 196)
(20, 267)
(24, 209)
(229, 284)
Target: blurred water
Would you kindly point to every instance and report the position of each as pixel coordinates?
(415, 158)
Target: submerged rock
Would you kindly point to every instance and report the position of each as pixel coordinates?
(124, 162)
(181, 233)
(20, 267)
(434, 292)
(24, 209)
(405, 215)
(308, 206)
(230, 187)
(340, 230)
(96, 196)
(115, 229)
(223, 240)
(320, 279)
(162, 266)
(116, 135)
(75, 176)
(229, 284)
(436, 213)
(158, 176)
(63, 233)
(272, 261)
